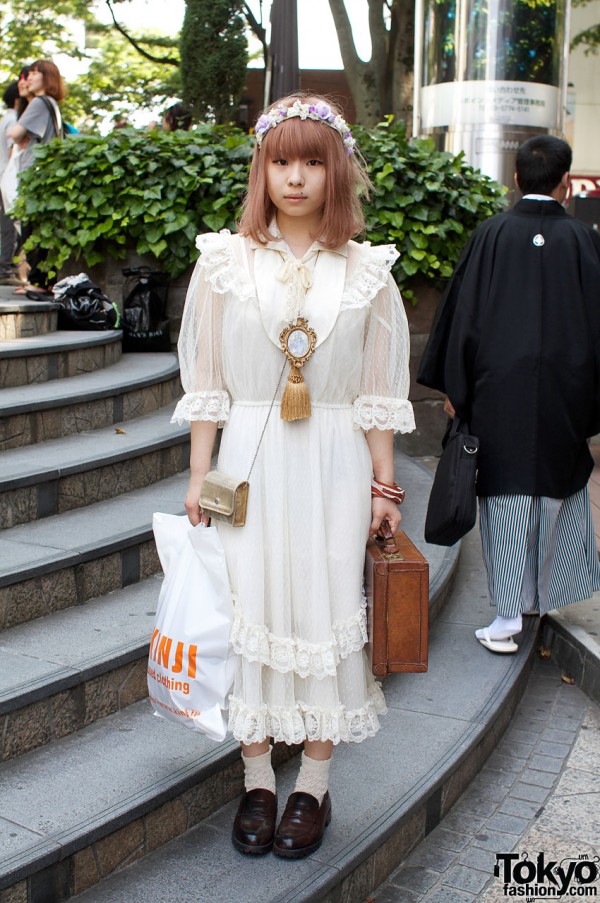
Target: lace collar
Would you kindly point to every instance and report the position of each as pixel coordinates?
(280, 244)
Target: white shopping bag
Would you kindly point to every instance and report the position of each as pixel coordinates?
(9, 184)
(191, 663)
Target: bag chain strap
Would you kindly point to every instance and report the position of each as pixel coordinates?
(266, 421)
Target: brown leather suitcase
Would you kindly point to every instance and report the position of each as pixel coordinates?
(397, 588)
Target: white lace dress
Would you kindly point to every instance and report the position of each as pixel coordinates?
(296, 566)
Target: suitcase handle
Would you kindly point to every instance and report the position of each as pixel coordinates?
(385, 535)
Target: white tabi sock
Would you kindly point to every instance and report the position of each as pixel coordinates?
(503, 628)
(258, 772)
(313, 777)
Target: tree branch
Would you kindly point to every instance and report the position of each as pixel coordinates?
(589, 39)
(168, 60)
(343, 28)
(258, 29)
(360, 75)
(379, 45)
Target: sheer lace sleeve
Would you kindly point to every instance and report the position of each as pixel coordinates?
(200, 338)
(383, 400)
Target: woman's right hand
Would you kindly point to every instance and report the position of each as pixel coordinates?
(192, 503)
(449, 408)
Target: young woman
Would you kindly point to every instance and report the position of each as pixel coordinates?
(39, 123)
(296, 566)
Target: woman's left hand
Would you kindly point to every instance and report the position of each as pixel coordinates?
(384, 509)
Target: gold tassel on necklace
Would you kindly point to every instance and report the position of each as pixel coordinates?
(298, 342)
(295, 403)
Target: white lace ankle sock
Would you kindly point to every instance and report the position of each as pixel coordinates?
(258, 772)
(313, 777)
(502, 628)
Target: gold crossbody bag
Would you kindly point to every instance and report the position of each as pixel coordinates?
(226, 498)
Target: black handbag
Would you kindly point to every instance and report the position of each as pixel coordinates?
(145, 321)
(452, 508)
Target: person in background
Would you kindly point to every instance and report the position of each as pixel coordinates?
(516, 348)
(176, 117)
(39, 124)
(8, 234)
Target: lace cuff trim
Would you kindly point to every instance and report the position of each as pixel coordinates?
(303, 722)
(370, 277)
(202, 406)
(220, 267)
(396, 414)
(257, 644)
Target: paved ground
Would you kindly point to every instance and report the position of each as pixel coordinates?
(539, 792)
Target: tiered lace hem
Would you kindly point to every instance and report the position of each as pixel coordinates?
(303, 722)
(212, 406)
(370, 277)
(396, 414)
(221, 268)
(257, 644)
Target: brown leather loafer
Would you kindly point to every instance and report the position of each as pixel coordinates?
(254, 824)
(302, 825)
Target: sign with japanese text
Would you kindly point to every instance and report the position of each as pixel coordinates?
(498, 102)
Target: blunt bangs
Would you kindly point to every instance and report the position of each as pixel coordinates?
(297, 138)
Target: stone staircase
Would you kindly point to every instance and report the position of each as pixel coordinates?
(90, 780)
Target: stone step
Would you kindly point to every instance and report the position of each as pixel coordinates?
(61, 673)
(80, 809)
(21, 317)
(64, 560)
(90, 660)
(62, 474)
(56, 355)
(135, 385)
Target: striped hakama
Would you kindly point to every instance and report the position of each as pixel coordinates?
(539, 553)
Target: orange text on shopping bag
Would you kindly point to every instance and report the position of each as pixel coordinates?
(168, 653)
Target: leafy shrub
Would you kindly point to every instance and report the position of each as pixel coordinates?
(89, 196)
(424, 201)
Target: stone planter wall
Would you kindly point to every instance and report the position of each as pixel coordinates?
(428, 405)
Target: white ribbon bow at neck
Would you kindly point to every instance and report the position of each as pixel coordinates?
(296, 275)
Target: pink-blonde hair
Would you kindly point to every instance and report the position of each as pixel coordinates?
(346, 178)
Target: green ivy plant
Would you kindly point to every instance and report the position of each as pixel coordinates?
(425, 202)
(89, 196)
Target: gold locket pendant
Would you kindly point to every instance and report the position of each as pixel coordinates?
(298, 342)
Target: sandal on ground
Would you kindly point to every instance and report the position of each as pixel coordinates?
(505, 646)
(39, 295)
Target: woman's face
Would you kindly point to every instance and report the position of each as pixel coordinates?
(23, 87)
(35, 82)
(297, 186)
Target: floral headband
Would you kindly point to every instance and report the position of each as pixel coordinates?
(319, 112)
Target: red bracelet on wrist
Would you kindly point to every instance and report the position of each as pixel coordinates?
(389, 491)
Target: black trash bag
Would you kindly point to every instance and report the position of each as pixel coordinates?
(145, 323)
(83, 305)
